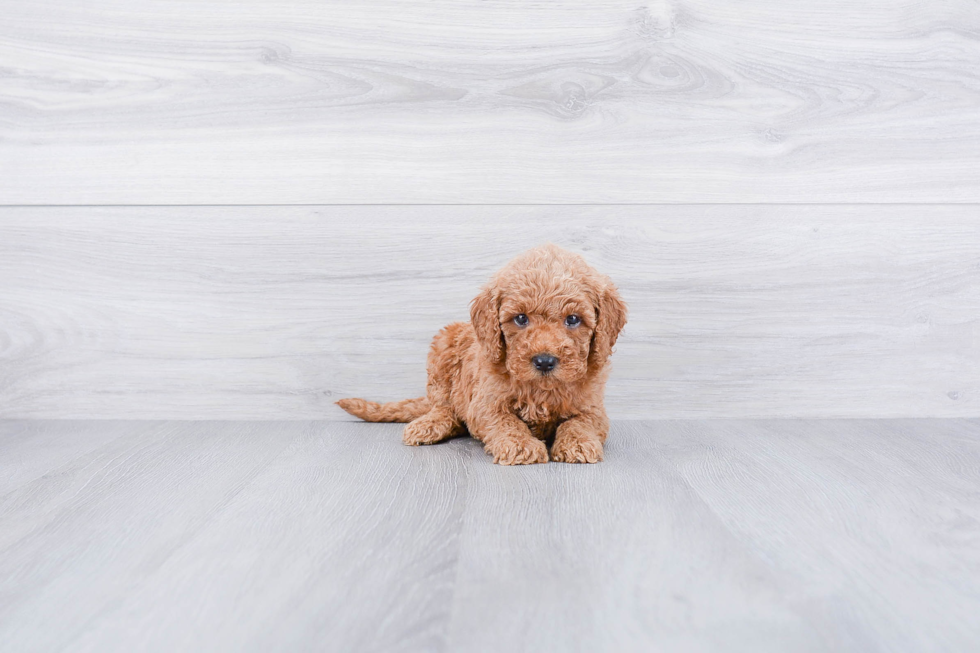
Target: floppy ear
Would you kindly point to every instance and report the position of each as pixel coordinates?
(485, 316)
(610, 320)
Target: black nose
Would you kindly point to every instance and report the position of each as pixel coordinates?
(544, 363)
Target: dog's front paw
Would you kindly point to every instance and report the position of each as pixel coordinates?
(515, 450)
(576, 450)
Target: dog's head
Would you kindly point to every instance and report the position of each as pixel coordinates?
(548, 317)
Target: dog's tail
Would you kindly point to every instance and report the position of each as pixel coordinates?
(395, 411)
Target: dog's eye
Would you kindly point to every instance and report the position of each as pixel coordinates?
(520, 320)
(573, 321)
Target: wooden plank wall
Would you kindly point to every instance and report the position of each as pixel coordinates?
(468, 101)
(245, 210)
(275, 312)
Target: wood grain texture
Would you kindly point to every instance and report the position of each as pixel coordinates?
(826, 501)
(276, 312)
(348, 541)
(30, 449)
(303, 101)
(753, 535)
(77, 539)
(620, 556)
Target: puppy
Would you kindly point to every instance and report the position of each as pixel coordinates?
(526, 372)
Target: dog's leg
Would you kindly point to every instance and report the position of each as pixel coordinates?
(435, 426)
(440, 422)
(508, 440)
(579, 439)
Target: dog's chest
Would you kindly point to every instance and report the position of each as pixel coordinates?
(541, 417)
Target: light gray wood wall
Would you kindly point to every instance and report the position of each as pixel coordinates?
(275, 312)
(467, 101)
(740, 170)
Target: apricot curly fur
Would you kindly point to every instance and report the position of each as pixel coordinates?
(482, 380)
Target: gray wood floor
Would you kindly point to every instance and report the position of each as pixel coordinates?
(778, 535)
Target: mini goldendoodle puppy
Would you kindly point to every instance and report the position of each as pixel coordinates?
(528, 369)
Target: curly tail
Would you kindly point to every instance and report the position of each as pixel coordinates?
(396, 411)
